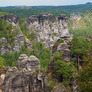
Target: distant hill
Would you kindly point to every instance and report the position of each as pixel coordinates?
(26, 11)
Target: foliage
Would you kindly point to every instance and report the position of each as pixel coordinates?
(63, 68)
(61, 41)
(1, 62)
(79, 46)
(51, 84)
(81, 27)
(32, 36)
(58, 55)
(43, 54)
(85, 76)
(7, 31)
(25, 12)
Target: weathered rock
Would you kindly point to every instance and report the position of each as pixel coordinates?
(48, 28)
(64, 47)
(3, 40)
(22, 57)
(2, 76)
(3, 50)
(59, 88)
(16, 48)
(75, 16)
(19, 41)
(29, 63)
(11, 18)
(24, 80)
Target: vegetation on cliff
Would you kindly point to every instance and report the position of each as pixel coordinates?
(80, 66)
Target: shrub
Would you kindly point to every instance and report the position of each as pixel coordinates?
(58, 55)
(1, 62)
(61, 41)
(63, 68)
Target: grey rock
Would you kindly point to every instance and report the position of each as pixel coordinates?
(3, 40)
(59, 88)
(19, 37)
(24, 80)
(22, 57)
(47, 26)
(11, 18)
(3, 50)
(63, 47)
(30, 63)
(75, 16)
(16, 43)
(16, 49)
(21, 43)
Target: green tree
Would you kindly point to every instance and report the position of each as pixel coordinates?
(85, 76)
(64, 69)
(79, 48)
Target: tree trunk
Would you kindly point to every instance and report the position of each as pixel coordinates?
(78, 64)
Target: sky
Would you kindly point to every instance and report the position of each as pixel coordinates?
(41, 2)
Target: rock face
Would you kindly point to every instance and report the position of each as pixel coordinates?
(11, 18)
(59, 88)
(27, 77)
(5, 46)
(49, 29)
(24, 78)
(29, 63)
(64, 47)
(75, 16)
(19, 41)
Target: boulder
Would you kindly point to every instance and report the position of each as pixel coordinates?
(59, 88)
(29, 63)
(62, 47)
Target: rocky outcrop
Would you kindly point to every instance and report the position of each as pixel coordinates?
(49, 29)
(64, 47)
(19, 41)
(24, 78)
(27, 77)
(3, 40)
(5, 46)
(11, 18)
(59, 88)
(75, 16)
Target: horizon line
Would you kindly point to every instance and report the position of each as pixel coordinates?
(42, 5)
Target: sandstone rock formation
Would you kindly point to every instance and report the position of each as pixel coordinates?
(59, 88)
(5, 46)
(18, 42)
(64, 47)
(11, 18)
(49, 29)
(27, 77)
(24, 78)
(75, 16)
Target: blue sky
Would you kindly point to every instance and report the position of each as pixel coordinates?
(41, 2)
